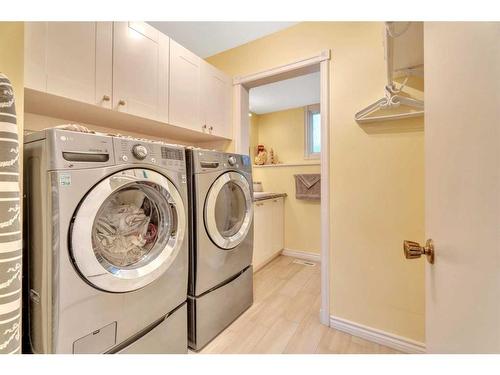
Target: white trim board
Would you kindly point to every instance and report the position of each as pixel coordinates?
(307, 65)
(241, 138)
(391, 340)
(302, 255)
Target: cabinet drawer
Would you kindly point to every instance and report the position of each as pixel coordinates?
(168, 337)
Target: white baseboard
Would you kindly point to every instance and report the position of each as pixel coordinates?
(302, 255)
(400, 343)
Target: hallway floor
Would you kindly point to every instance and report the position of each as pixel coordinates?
(285, 317)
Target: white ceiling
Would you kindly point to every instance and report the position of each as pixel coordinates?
(290, 93)
(209, 38)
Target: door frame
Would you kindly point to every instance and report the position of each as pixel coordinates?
(241, 85)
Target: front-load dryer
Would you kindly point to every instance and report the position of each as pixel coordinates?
(221, 242)
(107, 244)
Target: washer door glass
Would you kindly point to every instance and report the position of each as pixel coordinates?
(229, 210)
(132, 226)
(128, 230)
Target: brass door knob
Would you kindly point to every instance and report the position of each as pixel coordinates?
(122, 102)
(106, 98)
(413, 250)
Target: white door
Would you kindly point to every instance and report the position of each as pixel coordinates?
(140, 70)
(259, 238)
(263, 233)
(70, 59)
(277, 225)
(462, 150)
(216, 101)
(185, 88)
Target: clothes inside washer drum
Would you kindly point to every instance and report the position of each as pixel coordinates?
(123, 232)
(10, 226)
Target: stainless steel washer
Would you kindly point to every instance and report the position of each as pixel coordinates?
(107, 244)
(221, 242)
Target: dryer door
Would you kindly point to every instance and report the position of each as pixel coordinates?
(128, 230)
(229, 210)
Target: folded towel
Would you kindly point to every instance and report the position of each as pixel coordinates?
(308, 186)
(75, 128)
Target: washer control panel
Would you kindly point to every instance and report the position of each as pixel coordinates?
(139, 151)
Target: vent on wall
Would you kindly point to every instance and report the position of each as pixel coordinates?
(304, 262)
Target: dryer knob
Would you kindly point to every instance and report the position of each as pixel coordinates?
(231, 160)
(140, 152)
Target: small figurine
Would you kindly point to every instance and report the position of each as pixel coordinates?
(273, 158)
(261, 157)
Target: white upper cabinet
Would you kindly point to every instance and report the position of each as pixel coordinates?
(127, 67)
(185, 84)
(217, 103)
(140, 70)
(70, 59)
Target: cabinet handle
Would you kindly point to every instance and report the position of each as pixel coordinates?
(106, 98)
(210, 129)
(204, 127)
(122, 102)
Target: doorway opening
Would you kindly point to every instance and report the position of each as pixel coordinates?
(316, 143)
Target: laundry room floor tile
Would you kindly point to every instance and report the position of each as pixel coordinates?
(284, 317)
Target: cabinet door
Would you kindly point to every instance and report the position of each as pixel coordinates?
(260, 242)
(70, 59)
(216, 101)
(185, 85)
(140, 70)
(278, 225)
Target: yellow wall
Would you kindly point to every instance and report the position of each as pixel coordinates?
(284, 132)
(377, 172)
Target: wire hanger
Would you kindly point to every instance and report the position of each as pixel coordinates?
(392, 98)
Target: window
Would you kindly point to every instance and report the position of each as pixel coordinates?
(312, 132)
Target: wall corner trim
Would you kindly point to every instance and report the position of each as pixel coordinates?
(306, 255)
(393, 341)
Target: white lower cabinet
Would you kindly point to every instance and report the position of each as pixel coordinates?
(268, 237)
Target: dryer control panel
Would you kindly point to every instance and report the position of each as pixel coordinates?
(139, 151)
(210, 161)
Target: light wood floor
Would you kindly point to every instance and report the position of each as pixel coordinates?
(285, 317)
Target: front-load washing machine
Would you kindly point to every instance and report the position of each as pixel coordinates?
(221, 242)
(107, 244)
